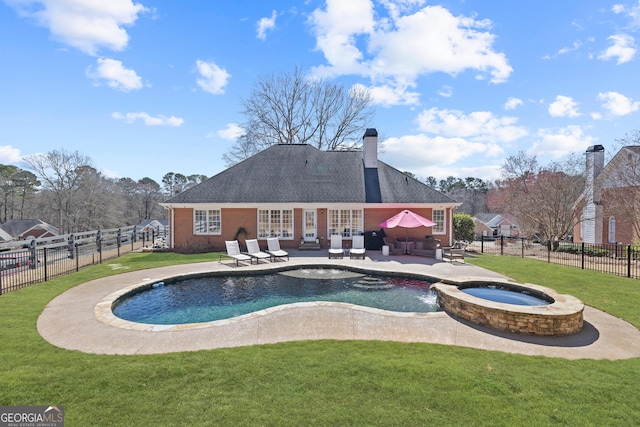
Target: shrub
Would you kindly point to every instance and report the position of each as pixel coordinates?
(463, 227)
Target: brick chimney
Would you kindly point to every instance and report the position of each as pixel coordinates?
(370, 148)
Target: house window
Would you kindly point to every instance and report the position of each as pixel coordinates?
(207, 221)
(612, 229)
(438, 218)
(348, 222)
(275, 223)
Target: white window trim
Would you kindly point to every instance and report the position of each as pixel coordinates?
(207, 233)
(293, 222)
(339, 218)
(444, 222)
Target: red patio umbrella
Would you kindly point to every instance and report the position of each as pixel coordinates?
(407, 219)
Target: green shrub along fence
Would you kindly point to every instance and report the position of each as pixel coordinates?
(613, 258)
(25, 262)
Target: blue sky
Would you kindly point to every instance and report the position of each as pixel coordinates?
(150, 87)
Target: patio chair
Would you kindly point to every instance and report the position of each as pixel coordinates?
(253, 250)
(336, 251)
(233, 251)
(357, 249)
(393, 249)
(274, 249)
(456, 251)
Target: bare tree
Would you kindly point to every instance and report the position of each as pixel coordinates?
(60, 173)
(289, 108)
(17, 186)
(541, 198)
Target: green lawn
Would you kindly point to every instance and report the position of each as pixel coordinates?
(330, 383)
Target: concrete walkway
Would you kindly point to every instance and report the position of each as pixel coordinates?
(81, 318)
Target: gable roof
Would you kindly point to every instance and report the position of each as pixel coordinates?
(300, 173)
(18, 227)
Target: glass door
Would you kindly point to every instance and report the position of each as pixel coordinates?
(310, 227)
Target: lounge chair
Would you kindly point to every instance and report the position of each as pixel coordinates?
(253, 250)
(233, 251)
(357, 249)
(274, 249)
(336, 251)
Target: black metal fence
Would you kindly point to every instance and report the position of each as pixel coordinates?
(617, 259)
(25, 262)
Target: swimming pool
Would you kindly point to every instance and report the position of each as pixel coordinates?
(216, 297)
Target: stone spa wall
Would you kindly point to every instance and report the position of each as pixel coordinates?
(564, 316)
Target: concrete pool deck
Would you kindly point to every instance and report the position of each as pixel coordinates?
(81, 319)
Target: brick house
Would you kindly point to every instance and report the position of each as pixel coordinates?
(608, 208)
(301, 194)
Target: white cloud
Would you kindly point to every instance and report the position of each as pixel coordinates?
(388, 95)
(116, 75)
(446, 91)
(478, 126)
(85, 25)
(576, 45)
(623, 49)
(9, 154)
(412, 152)
(394, 51)
(633, 13)
(266, 24)
(618, 104)
(557, 144)
(212, 79)
(232, 132)
(149, 120)
(564, 106)
(513, 103)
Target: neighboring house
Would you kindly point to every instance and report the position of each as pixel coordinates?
(22, 229)
(5, 237)
(494, 225)
(159, 226)
(299, 193)
(608, 207)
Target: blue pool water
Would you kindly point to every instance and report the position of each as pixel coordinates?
(205, 299)
(505, 296)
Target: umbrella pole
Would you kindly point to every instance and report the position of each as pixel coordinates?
(406, 241)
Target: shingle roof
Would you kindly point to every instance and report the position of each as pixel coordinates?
(300, 173)
(16, 227)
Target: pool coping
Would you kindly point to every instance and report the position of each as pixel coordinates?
(69, 321)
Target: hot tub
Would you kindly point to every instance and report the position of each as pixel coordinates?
(555, 315)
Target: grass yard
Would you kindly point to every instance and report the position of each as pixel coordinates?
(333, 383)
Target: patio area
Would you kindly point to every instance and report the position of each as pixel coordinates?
(81, 319)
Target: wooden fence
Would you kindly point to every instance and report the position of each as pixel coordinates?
(25, 262)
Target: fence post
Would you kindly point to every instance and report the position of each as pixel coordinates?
(582, 255)
(549, 251)
(482, 243)
(71, 246)
(502, 245)
(46, 273)
(628, 260)
(119, 240)
(77, 259)
(33, 259)
(522, 240)
(99, 244)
